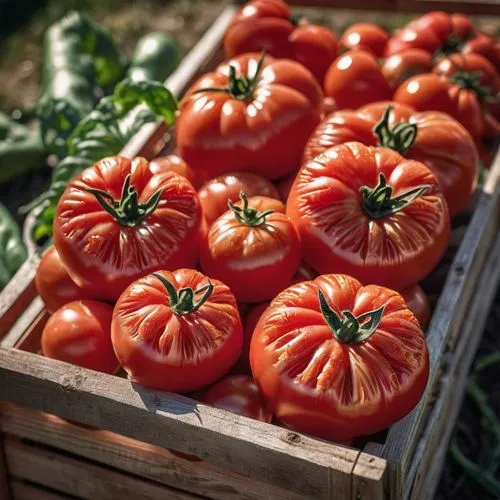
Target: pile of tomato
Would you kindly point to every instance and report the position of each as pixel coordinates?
(271, 266)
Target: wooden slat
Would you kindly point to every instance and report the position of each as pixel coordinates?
(25, 323)
(369, 475)
(26, 491)
(4, 482)
(81, 479)
(128, 455)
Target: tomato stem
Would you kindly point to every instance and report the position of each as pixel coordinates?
(451, 46)
(247, 215)
(377, 202)
(471, 81)
(350, 329)
(400, 138)
(184, 301)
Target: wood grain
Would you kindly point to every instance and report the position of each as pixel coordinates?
(26, 491)
(4, 482)
(369, 476)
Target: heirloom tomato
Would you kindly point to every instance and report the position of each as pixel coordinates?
(418, 303)
(365, 36)
(269, 25)
(486, 46)
(336, 359)
(215, 193)
(80, 333)
(371, 213)
(253, 113)
(399, 67)
(175, 163)
(238, 394)
(118, 221)
(256, 252)
(177, 331)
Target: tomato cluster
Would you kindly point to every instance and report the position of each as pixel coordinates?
(271, 265)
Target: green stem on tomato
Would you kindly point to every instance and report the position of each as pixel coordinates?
(471, 81)
(400, 138)
(246, 215)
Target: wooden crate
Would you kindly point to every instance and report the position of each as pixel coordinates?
(116, 438)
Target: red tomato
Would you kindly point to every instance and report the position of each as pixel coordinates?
(269, 25)
(131, 223)
(175, 163)
(336, 359)
(418, 303)
(53, 283)
(349, 207)
(215, 193)
(263, 203)
(259, 124)
(486, 46)
(365, 36)
(177, 331)
(238, 394)
(329, 106)
(284, 185)
(79, 333)
(399, 67)
(354, 79)
(255, 253)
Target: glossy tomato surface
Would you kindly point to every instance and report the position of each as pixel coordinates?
(418, 303)
(485, 45)
(318, 384)
(238, 394)
(264, 132)
(174, 163)
(80, 333)
(164, 348)
(337, 232)
(402, 66)
(355, 79)
(104, 255)
(365, 36)
(215, 193)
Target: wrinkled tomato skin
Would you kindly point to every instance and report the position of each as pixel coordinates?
(216, 133)
(79, 333)
(317, 385)
(178, 353)
(53, 283)
(402, 66)
(104, 257)
(174, 163)
(365, 36)
(355, 79)
(255, 262)
(238, 394)
(215, 193)
(418, 303)
(397, 250)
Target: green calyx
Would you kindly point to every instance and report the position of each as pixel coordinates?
(127, 211)
(246, 215)
(377, 202)
(239, 87)
(471, 81)
(400, 138)
(453, 44)
(184, 301)
(350, 329)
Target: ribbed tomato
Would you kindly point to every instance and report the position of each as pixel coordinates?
(118, 221)
(418, 303)
(177, 331)
(175, 163)
(369, 212)
(337, 360)
(399, 67)
(485, 45)
(365, 36)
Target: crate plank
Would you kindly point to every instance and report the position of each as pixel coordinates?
(369, 476)
(25, 491)
(4, 483)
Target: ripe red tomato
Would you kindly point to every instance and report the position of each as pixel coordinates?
(399, 67)
(485, 45)
(354, 79)
(175, 163)
(269, 25)
(53, 283)
(365, 36)
(418, 303)
(215, 193)
(177, 331)
(329, 106)
(435, 132)
(238, 394)
(369, 212)
(336, 359)
(259, 123)
(118, 221)
(256, 253)
(79, 333)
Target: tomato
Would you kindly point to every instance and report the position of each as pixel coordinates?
(399, 67)
(486, 46)
(263, 203)
(354, 79)
(238, 394)
(260, 123)
(256, 253)
(215, 193)
(337, 360)
(53, 283)
(456, 170)
(365, 36)
(131, 222)
(175, 163)
(79, 333)
(418, 303)
(177, 331)
(329, 106)
(284, 185)
(369, 212)
(269, 25)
